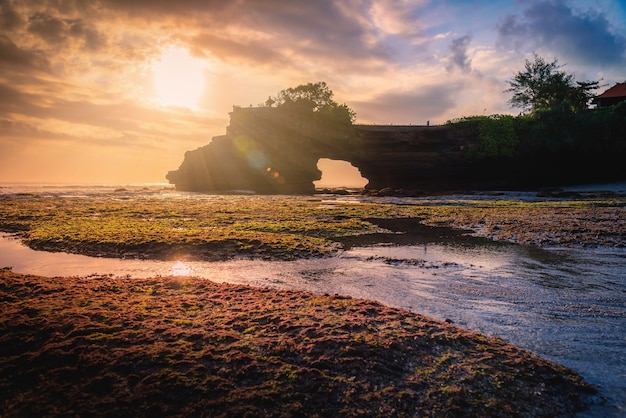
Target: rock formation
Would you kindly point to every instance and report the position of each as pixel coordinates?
(271, 150)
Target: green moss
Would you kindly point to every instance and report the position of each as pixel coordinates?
(266, 226)
(276, 225)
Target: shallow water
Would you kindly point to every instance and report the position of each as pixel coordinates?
(567, 305)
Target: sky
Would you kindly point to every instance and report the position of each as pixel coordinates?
(116, 91)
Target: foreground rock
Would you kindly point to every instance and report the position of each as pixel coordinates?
(102, 346)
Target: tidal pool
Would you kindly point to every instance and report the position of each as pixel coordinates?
(567, 305)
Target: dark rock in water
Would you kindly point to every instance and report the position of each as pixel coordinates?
(557, 193)
(276, 151)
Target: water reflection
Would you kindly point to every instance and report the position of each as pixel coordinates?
(181, 269)
(485, 257)
(566, 305)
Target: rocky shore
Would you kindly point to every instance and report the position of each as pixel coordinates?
(293, 227)
(103, 346)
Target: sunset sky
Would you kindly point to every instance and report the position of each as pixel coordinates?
(115, 91)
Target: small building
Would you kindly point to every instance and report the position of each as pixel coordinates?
(611, 97)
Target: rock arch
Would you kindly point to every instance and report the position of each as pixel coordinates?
(339, 174)
(267, 150)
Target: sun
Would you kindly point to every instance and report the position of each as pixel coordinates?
(178, 78)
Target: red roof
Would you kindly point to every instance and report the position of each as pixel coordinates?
(618, 90)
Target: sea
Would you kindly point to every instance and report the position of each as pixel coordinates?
(565, 304)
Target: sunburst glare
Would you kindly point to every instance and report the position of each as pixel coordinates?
(178, 78)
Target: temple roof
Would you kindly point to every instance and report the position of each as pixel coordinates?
(618, 90)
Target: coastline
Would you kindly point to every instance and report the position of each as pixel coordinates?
(596, 221)
(179, 347)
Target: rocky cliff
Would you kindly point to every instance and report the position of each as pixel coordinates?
(269, 150)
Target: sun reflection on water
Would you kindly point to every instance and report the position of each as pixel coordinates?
(181, 269)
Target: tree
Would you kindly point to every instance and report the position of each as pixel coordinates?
(315, 97)
(582, 94)
(542, 85)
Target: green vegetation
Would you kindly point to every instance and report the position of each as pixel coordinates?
(557, 125)
(599, 133)
(219, 226)
(285, 227)
(542, 86)
(548, 134)
(316, 98)
(497, 135)
(557, 128)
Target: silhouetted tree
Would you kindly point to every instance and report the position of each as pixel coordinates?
(316, 97)
(542, 85)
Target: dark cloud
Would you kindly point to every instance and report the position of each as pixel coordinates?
(12, 56)
(583, 37)
(321, 28)
(56, 31)
(161, 8)
(49, 28)
(93, 40)
(9, 18)
(274, 32)
(427, 104)
(458, 54)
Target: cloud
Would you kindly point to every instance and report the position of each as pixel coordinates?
(92, 39)
(250, 51)
(15, 101)
(9, 18)
(458, 54)
(273, 33)
(113, 124)
(150, 9)
(56, 31)
(263, 30)
(409, 107)
(584, 37)
(400, 17)
(323, 29)
(50, 29)
(23, 131)
(13, 56)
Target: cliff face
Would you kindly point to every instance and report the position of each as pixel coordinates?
(268, 150)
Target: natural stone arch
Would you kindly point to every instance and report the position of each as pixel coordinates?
(268, 150)
(337, 173)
